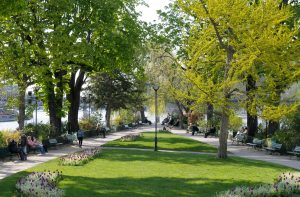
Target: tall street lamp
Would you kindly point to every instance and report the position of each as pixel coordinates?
(155, 88)
(90, 107)
(36, 89)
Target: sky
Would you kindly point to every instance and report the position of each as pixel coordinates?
(149, 13)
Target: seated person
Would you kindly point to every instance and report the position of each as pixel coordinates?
(13, 148)
(211, 131)
(33, 143)
(193, 128)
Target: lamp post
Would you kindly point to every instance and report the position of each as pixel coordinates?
(36, 89)
(155, 88)
(90, 107)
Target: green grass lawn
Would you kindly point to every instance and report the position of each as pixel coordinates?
(122, 173)
(167, 141)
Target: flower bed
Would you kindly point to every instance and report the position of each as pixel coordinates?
(80, 158)
(131, 137)
(40, 184)
(286, 185)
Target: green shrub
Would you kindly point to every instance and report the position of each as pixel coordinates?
(88, 123)
(289, 134)
(40, 131)
(2, 141)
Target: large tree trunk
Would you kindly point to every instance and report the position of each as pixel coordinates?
(252, 123)
(107, 116)
(210, 114)
(222, 151)
(142, 111)
(273, 127)
(180, 114)
(21, 106)
(75, 85)
(55, 130)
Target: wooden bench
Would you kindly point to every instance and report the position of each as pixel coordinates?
(275, 147)
(53, 142)
(256, 143)
(239, 138)
(295, 152)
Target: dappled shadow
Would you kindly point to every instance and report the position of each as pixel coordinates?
(147, 187)
(7, 185)
(184, 158)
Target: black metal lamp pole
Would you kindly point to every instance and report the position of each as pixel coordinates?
(36, 89)
(89, 107)
(155, 88)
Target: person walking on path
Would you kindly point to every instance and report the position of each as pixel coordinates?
(80, 136)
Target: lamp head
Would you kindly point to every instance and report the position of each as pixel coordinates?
(155, 87)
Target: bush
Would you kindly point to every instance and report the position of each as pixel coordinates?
(289, 133)
(6, 135)
(88, 123)
(2, 141)
(40, 131)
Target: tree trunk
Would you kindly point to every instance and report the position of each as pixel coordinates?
(22, 104)
(142, 111)
(210, 114)
(107, 116)
(75, 86)
(180, 114)
(55, 130)
(222, 151)
(273, 127)
(252, 123)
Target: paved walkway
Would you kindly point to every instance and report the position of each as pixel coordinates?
(244, 151)
(8, 168)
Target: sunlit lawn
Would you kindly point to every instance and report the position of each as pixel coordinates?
(133, 173)
(167, 141)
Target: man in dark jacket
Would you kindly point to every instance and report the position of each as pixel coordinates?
(13, 148)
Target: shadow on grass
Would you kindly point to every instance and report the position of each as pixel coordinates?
(7, 185)
(145, 187)
(185, 158)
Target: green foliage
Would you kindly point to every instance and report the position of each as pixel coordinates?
(2, 140)
(235, 122)
(40, 131)
(87, 123)
(125, 116)
(289, 133)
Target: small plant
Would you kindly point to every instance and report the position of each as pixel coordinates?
(40, 184)
(130, 137)
(80, 158)
(285, 185)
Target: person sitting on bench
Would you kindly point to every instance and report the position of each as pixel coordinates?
(211, 131)
(13, 148)
(33, 143)
(193, 128)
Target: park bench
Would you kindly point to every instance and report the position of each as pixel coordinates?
(54, 143)
(295, 152)
(70, 138)
(239, 138)
(275, 147)
(256, 143)
(127, 127)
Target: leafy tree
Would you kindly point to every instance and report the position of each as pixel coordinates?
(116, 91)
(230, 38)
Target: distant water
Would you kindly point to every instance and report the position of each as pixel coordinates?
(42, 117)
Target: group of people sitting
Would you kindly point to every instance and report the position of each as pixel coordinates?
(22, 147)
(170, 121)
(193, 129)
